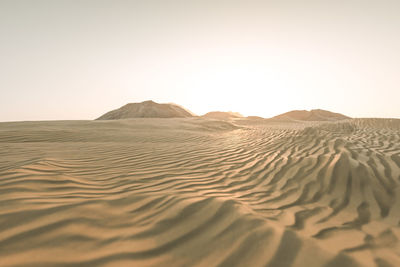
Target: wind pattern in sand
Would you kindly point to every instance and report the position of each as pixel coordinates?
(196, 192)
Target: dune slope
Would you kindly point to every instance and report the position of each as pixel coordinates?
(195, 192)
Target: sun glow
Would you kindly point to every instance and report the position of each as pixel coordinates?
(250, 88)
(258, 58)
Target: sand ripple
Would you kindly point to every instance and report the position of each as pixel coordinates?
(195, 192)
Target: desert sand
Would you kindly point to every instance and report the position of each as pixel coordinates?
(200, 192)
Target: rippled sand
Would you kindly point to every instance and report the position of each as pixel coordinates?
(196, 192)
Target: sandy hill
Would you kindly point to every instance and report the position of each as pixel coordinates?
(312, 115)
(220, 115)
(255, 118)
(147, 109)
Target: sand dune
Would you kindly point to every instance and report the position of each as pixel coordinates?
(196, 192)
(312, 115)
(221, 115)
(147, 109)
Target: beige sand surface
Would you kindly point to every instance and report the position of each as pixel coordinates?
(197, 192)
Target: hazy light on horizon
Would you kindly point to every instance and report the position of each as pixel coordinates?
(79, 59)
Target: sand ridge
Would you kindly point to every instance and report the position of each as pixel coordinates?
(197, 192)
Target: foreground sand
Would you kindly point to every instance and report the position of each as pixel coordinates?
(196, 192)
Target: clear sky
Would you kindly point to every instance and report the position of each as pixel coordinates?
(78, 59)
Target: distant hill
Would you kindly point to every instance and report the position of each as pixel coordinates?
(147, 109)
(219, 115)
(255, 118)
(312, 115)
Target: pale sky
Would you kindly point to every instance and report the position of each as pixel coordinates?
(79, 59)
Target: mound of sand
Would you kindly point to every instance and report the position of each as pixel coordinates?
(312, 115)
(220, 115)
(255, 118)
(147, 109)
(200, 192)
